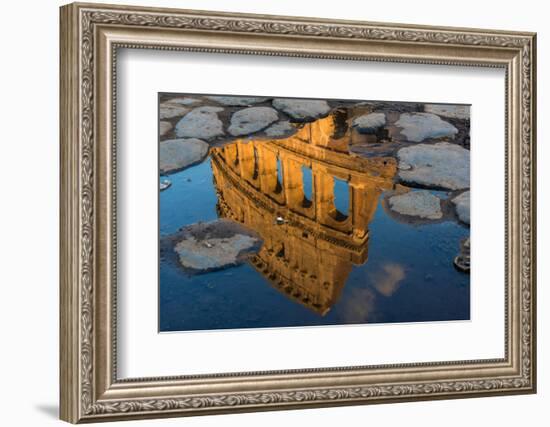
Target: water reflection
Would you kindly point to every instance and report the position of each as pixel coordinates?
(387, 280)
(311, 202)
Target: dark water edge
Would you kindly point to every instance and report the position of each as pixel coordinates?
(409, 275)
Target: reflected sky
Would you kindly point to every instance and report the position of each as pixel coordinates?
(382, 271)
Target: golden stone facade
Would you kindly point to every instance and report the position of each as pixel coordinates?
(309, 246)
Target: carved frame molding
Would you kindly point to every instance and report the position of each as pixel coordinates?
(90, 37)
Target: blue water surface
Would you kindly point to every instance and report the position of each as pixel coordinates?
(409, 275)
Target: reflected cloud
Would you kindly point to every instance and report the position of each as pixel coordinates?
(359, 306)
(361, 302)
(388, 279)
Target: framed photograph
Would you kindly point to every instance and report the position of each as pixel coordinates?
(267, 212)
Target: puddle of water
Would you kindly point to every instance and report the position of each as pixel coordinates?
(409, 275)
(339, 258)
(191, 198)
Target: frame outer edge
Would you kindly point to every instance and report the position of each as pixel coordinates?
(290, 18)
(77, 340)
(533, 207)
(68, 227)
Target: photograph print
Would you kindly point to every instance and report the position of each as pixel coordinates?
(288, 212)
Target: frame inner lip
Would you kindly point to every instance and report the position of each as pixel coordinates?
(330, 371)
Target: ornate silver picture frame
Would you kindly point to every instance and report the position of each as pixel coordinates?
(91, 35)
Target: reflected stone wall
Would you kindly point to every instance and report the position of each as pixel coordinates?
(309, 245)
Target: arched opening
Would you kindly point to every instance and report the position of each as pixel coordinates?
(256, 164)
(281, 251)
(307, 186)
(279, 185)
(341, 199)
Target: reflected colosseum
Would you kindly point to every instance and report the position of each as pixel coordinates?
(309, 245)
